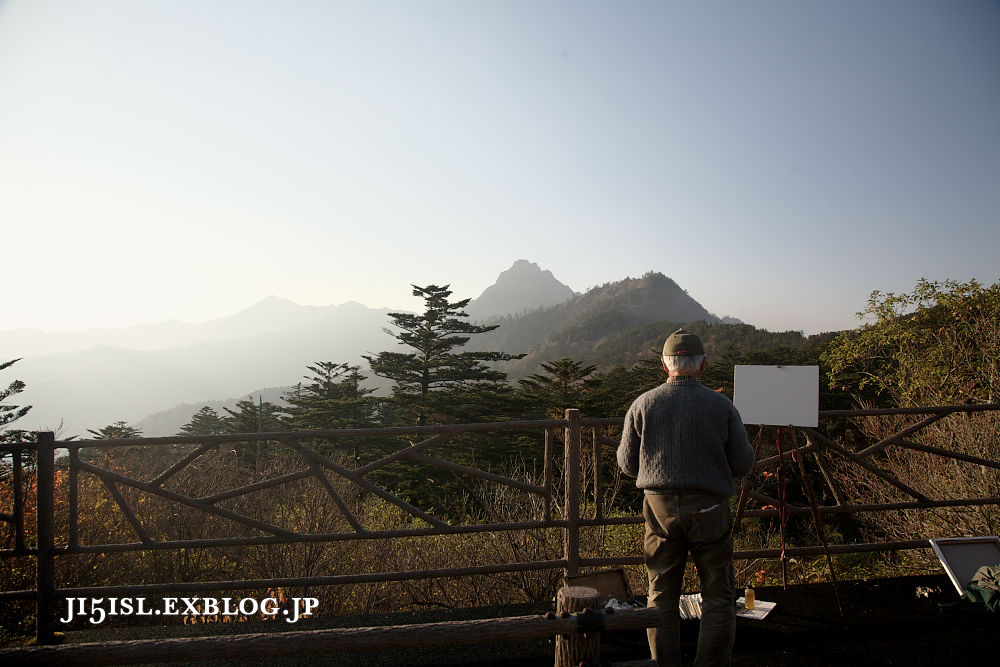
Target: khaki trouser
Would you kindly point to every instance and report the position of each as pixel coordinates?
(677, 523)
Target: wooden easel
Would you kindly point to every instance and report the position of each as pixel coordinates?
(783, 475)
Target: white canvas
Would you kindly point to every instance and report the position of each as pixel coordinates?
(777, 395)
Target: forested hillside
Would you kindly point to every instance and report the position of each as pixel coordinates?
(620, 324)
(602, 311)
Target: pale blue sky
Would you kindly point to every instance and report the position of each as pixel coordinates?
(779, 160)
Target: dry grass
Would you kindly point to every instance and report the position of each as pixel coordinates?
(937, 477)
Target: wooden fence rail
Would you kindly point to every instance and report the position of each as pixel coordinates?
(332, 641)
(579, 492)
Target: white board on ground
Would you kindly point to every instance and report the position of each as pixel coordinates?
(777, 395)
(962, 556)
(758, 613)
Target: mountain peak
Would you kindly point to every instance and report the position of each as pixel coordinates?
(657, 279)
(523, 265)
(524, 286)
(271, 306)
(651, 298)
(274, 300)
(522, 269)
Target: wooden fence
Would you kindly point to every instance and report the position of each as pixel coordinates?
(585, 443)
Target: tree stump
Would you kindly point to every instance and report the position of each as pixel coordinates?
(573, 649)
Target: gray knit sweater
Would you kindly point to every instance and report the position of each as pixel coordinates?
(682, 436)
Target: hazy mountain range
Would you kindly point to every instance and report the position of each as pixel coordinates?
(89, 379)
(230, 356)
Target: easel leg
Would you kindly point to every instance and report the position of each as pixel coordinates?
(817, 519)
(782, 506)
(747, 481)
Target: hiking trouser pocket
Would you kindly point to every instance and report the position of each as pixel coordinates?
(710, 523)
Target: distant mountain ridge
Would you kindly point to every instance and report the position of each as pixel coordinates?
(87, 379)
(574, 327)
(129, 375)
(267, 345)
(268, 315)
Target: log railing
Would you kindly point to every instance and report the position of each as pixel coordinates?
(580, 439)
(332, 642)
(316, 465)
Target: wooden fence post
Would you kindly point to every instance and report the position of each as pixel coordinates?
(45, 611)
(573, 649)
(571, 472)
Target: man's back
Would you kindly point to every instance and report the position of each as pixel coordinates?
(682, 436)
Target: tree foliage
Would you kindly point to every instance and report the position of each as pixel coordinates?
(11, 413)
(334, 398)
(561, 386)
(254, 417)
(120, 430)
(420, 376)
(611, 392)
(204, 422)
(936, 345)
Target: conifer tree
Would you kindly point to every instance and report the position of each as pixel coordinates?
(611, 392)
(422, 377)
(204, 422)
(258, 416)
(120, 430)
(117, 457)
(562, 386)
(333, 399)
(251, 416)
(11, 413)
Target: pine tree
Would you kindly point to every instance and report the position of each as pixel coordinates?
(422, 377)
(204, 422)
(120, 430)
(119, 457)
(258, 416)
(251, 416)
(610, 393)
(333, 399)
(11, 413)
(561, 387)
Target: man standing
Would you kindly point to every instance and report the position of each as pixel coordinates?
(684, 444)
